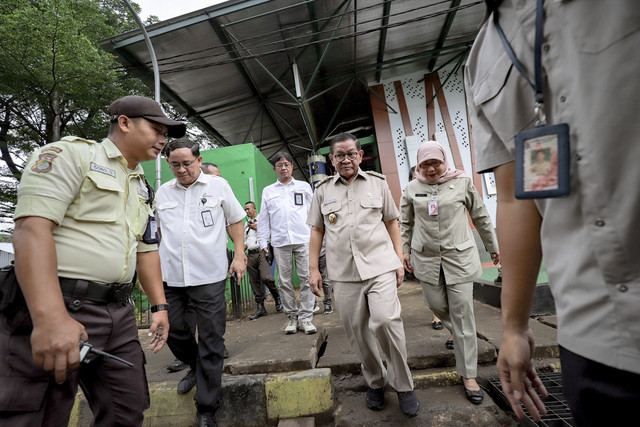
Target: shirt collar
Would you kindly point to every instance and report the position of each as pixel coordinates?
(293, 180)
(113, 152)
(337, 178)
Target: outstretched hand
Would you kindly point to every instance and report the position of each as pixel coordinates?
(519, 379)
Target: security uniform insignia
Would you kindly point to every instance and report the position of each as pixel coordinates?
(52, 148)
(44, 163)
(333, 218)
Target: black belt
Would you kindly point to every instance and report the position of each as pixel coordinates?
(96, 292)
(254, 251)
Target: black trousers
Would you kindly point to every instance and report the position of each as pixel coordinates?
(206, 354)
(117, 394)
(599, 395)
(260, 275)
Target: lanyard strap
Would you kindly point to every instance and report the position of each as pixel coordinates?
(537, 86)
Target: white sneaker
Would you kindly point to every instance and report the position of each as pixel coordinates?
(307, 327)
(292, 324)
(316, 307)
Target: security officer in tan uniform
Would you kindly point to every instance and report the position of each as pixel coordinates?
(355, 213)
(83, 209)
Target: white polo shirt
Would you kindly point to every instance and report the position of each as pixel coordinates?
(283, 214)
(193, 250)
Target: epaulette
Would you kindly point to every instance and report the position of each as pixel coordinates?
(376, 174)
(323, 180)
(72, 138)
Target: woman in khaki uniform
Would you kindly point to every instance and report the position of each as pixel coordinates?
(439, 248)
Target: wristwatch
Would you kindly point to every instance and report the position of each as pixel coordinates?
(159, 307)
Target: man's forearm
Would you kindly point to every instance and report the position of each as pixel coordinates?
(315, 246)
(150, 275)
(237, 236)
(518, 226)
(394, 233)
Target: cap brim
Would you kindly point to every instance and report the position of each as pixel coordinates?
(176, 129)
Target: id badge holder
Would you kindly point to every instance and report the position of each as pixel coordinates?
(432, 205)
(542, 162)
(207, 218)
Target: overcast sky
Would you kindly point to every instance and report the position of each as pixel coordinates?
(166, 9)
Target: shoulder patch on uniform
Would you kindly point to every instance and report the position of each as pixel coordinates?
(44, 163)
(323, 180)
(72, 138)
(376, 174)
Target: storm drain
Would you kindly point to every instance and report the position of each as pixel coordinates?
(558, 413)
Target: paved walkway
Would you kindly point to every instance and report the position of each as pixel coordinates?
(271, 376)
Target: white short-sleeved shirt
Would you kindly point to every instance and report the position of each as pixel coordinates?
(283, 214)
(193, 250)
(591, 239)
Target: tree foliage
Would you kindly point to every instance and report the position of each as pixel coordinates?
(55, 80)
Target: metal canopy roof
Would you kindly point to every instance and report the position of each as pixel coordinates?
(230, 68)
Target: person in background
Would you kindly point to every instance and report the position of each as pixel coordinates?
(285, 205)
(439, 248)
(257, 266)
(210, 169)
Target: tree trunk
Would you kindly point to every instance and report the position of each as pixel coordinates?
(4, 143)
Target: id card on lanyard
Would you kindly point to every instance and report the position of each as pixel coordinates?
(542, 153)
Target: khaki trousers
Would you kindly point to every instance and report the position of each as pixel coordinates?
(453, 304)
(285, 256)
(368, 310)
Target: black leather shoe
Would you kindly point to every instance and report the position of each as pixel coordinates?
(176, 365)
(375, 399)
(437, 326)
(188, 382)
(474, 396)
(449, 344)
(259, 313)
(206, 420)
(409, 404)
(279, 306)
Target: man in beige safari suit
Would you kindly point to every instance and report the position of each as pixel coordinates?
(355, 213)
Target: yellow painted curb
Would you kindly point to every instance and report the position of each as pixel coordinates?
(299, 394)
(437, 379)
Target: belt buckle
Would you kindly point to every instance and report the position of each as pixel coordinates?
(121, 291)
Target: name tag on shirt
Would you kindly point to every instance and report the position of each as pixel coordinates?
(298, 199)
(207, 218)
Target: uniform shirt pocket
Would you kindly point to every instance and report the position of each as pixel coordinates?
(504, 98)
(465, 245)
(371, 206)
(99, 200)
(330, 213)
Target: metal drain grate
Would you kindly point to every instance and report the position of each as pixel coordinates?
(558, 413)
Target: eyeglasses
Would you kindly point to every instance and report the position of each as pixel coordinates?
(427, 165)
(176, 165)
(340, 156)
(282, 165)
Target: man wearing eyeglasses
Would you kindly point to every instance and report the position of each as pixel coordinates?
(283, 218)
(355, 213)
(193, 210)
